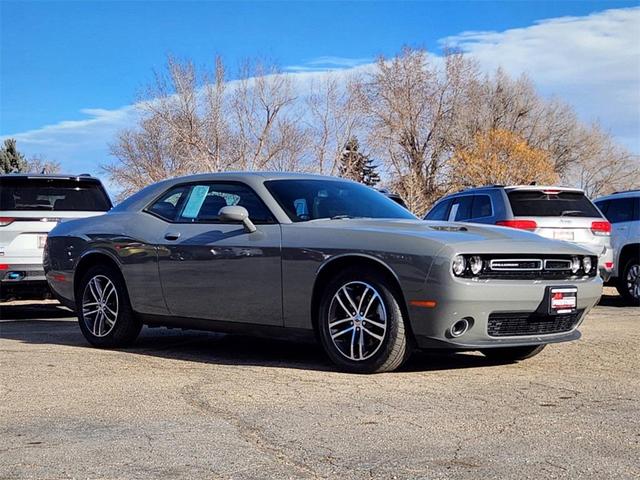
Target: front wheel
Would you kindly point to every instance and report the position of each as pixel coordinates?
(628, 282)
(361, 324)
(512, 354)
(104, 313)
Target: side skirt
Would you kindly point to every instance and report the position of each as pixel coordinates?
(251, 329)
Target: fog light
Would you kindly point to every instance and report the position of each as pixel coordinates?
(575, 265)
(475, 263)
(459, 265)
(586, 264)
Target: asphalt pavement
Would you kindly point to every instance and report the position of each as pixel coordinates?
(200, 405)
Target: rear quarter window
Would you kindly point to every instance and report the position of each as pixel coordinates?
(533, 203)
(52, 195)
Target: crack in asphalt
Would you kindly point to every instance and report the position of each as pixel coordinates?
(252, 434)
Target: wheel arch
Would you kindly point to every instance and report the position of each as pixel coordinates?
(628, 251)
(328, 269)
(91, 259)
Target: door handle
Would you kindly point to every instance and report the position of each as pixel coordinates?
(172, 235)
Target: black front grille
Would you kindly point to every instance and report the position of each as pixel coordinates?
(506, 324)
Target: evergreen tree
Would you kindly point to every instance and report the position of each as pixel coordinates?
(357, 166)
(11, 161)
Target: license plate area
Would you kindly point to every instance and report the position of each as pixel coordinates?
(566, 235)
(562, 300)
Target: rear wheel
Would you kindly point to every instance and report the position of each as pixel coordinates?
(628, 282)
(512, 354)
(361, 324)
(104, 311)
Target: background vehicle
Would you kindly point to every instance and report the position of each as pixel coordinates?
(30, 206)
(302, 255)
(560, 213)
(622, 209)
(393, 196)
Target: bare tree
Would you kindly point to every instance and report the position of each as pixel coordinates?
(39, 164)
(409, 103)
(332, 119)
(266, 124)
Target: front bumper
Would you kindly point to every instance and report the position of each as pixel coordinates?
(476, 300)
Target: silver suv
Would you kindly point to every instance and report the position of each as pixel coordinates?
(622, 209)
(30, 206)
(560, 213)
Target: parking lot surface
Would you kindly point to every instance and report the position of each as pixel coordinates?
(200, 405)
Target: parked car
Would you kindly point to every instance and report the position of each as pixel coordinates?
(309, 256)
(393, 196)
(622, 209)
(30, 206)
(560, 213)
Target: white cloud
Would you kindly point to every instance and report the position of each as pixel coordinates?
(328, 63)
(592, 62)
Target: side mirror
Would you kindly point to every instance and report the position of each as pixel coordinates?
(235, 214)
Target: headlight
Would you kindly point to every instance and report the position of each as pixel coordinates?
(575, 265)
(586, 264)
(459, 265)
(475, 263)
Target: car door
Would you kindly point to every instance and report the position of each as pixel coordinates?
(621, 213)
(218, 271)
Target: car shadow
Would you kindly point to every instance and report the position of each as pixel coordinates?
(52, 324)
(612, 301)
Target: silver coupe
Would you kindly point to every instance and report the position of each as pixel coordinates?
(295, 255)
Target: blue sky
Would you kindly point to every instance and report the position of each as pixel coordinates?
(64, 64)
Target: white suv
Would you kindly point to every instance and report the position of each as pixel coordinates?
(622, 209)
(30, 206)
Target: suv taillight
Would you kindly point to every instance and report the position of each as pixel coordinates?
(521, 224)
(4, 221)
(601, 228)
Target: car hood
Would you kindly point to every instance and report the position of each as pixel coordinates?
(460, 237)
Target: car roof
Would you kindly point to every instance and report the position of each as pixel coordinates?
(47, 176)
(255, 175)
(625, 194)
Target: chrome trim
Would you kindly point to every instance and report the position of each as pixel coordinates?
(515, 268)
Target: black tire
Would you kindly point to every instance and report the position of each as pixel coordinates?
(126, 327)
(392, 350)
(512, 354)
(622, 284)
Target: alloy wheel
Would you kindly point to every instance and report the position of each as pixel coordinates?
(357, 320)
(100, 306)
(633, 281)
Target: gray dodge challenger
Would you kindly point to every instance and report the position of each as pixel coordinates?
(295, 256)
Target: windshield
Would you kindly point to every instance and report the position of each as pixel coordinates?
(305, 200)
(52, 195)
(532, 203)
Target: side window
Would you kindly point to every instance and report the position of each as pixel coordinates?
(620, 210)
(439, 212)
(168, 206)
(205, 201)
(481, 206)
(461, 209)
(603, 206)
